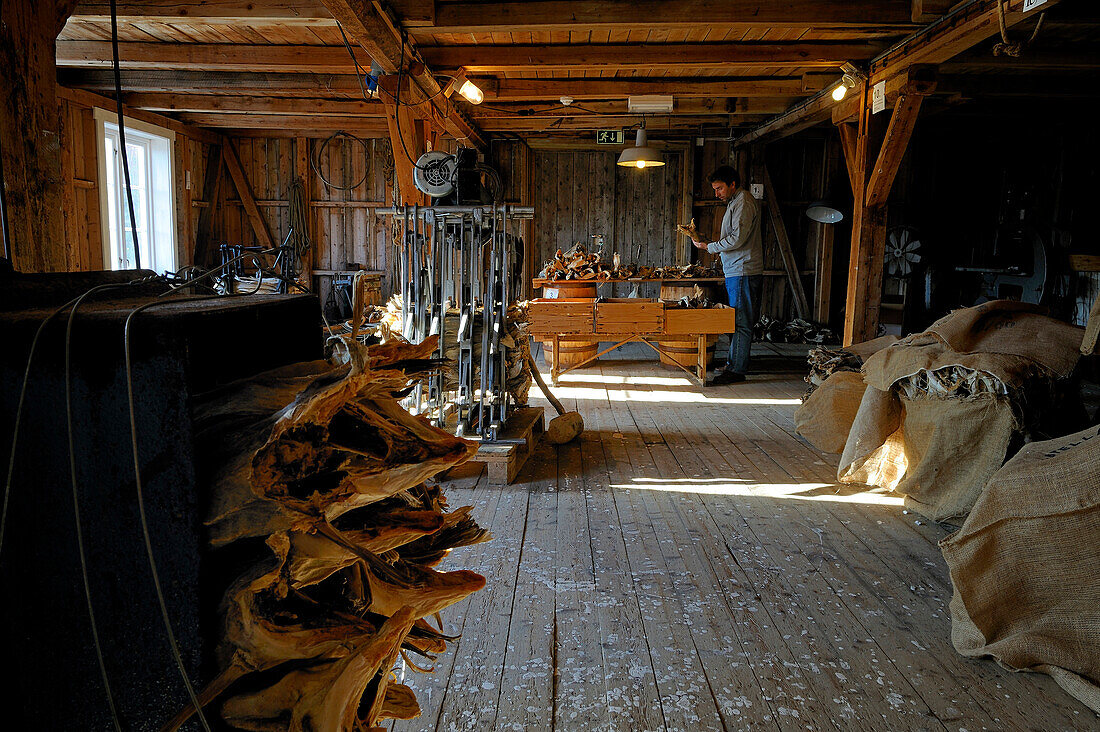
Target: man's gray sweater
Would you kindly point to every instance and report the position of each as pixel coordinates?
(740, 246)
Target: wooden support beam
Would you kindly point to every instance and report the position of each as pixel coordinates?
(181, 165)
(285, 121)
(823, 255)
(172, 102)
(893, 148)
(407, 141)
(587, 89)
(783, 242)
(186, 13)
(482, 58)
(229, 83)
(864, 296)
(208, 56)
(30, 135)
(207, 12)
(803, 115)
(377, 33)
(687, 202)
(915, 80)
(88, 99)
(211, 193)
(501, 17)
(848, 143)
(244, 190)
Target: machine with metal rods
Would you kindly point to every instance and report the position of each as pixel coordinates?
(462, 260)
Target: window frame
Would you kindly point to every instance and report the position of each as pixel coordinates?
(103, 118)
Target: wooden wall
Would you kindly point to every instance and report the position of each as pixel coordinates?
(343, 227)
(82, 245)
(580, 193)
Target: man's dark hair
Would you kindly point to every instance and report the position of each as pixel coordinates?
(727, 175)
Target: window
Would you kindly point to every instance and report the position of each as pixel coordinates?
(149, 153)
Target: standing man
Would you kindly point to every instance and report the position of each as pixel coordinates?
(742, 264)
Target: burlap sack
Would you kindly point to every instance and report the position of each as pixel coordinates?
(866, 349)
(1026, 566)
(952, 448)
(1012, 328)
(826, 417)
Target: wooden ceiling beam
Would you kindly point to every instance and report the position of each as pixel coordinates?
(413, 13)
(172, 102)
(688, 106)
(285, 121)
(583, 89)
(483, 58)
(376, 31)
(336, 59)
(227, 83)
(209, 57)
(502, 17)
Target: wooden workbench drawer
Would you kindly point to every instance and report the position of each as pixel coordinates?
(562, 316)
(629, 315)
(699, 321)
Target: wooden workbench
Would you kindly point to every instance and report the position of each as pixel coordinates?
(622, 321)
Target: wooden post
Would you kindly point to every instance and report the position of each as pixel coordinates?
(823, 257)
(801, 305)
(30, 137)
(181, 151)
(871, 183)
(211, 193)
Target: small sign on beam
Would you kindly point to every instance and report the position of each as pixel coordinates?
(610, 137)
(1032, 4)
(878, 97)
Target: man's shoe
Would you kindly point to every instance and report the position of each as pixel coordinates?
(726, 377)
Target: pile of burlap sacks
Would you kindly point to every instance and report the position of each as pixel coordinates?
(934, 416)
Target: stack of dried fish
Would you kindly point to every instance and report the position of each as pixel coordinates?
(685, 272)
(792, 331)
(576, 264)
(825, 361)
(697, 299)
(324, 465)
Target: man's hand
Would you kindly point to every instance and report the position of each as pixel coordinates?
(699, 244)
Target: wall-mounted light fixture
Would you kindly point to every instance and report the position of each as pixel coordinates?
(851, 79)
(468, 89)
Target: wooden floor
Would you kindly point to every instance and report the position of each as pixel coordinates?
(691, 565)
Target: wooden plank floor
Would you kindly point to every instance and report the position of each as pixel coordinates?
(690, 564)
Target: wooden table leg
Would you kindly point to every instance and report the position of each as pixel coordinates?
(702, 364)
(554, 360)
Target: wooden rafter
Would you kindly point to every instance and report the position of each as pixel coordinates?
(482, 58)
(499, 17)
(270, 12)
(377, 33)
(893, 148)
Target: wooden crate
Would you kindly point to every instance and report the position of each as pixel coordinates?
(629, 315)
(699, 321)
(504, 460)
(563, 316)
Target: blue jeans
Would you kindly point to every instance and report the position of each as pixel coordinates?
(744, 294)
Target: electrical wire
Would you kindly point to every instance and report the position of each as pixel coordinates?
(122, 135)
(315, 161)
(76, 502)
(128, 356)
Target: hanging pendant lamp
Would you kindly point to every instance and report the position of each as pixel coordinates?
(641, 155)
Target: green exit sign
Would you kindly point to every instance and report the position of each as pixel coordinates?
(610, 137)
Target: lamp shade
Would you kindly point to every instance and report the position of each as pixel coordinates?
(824, 212)
(641, 155)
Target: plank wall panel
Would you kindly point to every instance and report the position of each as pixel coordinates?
(577, 194)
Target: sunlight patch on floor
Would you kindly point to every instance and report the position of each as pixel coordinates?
(743, 487)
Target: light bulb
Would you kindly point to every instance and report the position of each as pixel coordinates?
(839, 92)
(470, 90)
(640, 164)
